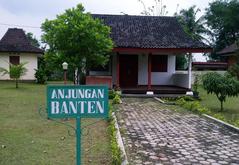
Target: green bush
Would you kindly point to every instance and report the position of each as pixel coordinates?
(193, 106)
(41, 76)
(188, 98)
(203, 110)
(116, 99)
(112, 94)
(116, 152)
(181, 101)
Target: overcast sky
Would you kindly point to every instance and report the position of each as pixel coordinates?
(34, 12)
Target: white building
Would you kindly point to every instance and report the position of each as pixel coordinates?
(15, 48)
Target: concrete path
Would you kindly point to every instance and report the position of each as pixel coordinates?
(154, 133)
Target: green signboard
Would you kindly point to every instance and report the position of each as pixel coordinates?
(72, 101)
(77, 101)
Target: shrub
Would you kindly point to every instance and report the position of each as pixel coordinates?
(188, 98)
(112, 94)
(116, 152)
(203, 110)
(193, 106)
(40, 76)
(116, 99)
(181, 101)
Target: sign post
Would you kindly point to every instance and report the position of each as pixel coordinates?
(78, 141)
(81, 101)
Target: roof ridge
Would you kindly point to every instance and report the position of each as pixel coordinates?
(134, 15)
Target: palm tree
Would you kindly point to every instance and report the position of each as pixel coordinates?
(193, 26)
(15, 71)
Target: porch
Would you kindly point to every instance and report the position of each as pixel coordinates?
(156, 89)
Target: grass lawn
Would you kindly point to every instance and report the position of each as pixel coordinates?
(31, 139)
(231, 106)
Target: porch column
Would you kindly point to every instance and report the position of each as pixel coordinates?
(117, 70)
(149, 70)
(189, 70)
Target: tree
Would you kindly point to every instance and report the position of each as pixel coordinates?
(15, 71)
(221, 86)
(32, 39)
(78, 39)
(158, 9)
(222, 17)
(234, 70)
(192, 26)
(181, 62)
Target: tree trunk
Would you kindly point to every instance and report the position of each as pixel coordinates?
(76, 76)
(16, 83)
(221, 105)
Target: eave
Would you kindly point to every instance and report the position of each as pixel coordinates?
(162, 50)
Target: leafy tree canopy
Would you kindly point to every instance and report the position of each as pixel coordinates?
(77, 38)
(192, 26)
(220, 85)
(223, 19)
(32, 39)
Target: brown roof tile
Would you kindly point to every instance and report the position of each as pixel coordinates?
(15, 40)
(148, 32)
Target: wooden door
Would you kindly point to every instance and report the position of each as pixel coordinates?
(128, 70)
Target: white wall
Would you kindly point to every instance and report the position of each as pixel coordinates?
(31, 65)
(165, 78)
(157, 78)
(180, 78)
(4, 63)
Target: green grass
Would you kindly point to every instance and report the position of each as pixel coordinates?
(31, 139)
(231, 106)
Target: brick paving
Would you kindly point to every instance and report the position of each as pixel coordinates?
(154, 133)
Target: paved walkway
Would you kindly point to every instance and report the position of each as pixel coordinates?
(155, 134)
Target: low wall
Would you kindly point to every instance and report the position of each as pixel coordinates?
(96, 80)
(180, 79)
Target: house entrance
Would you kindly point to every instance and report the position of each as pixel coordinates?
(128, 70)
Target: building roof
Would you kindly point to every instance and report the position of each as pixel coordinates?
(229, 49)
(15, 40)
(148, 32)
(210, 65)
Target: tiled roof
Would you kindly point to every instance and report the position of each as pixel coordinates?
(230, 49)
(15, 40)
(148, 32)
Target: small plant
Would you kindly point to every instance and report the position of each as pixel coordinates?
(188, 98)
(112, 94)
(15, 71)
(181, 101)
(116, 99)
(192, 105)
(116, 152)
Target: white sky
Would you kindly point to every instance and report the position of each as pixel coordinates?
(34, 12)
